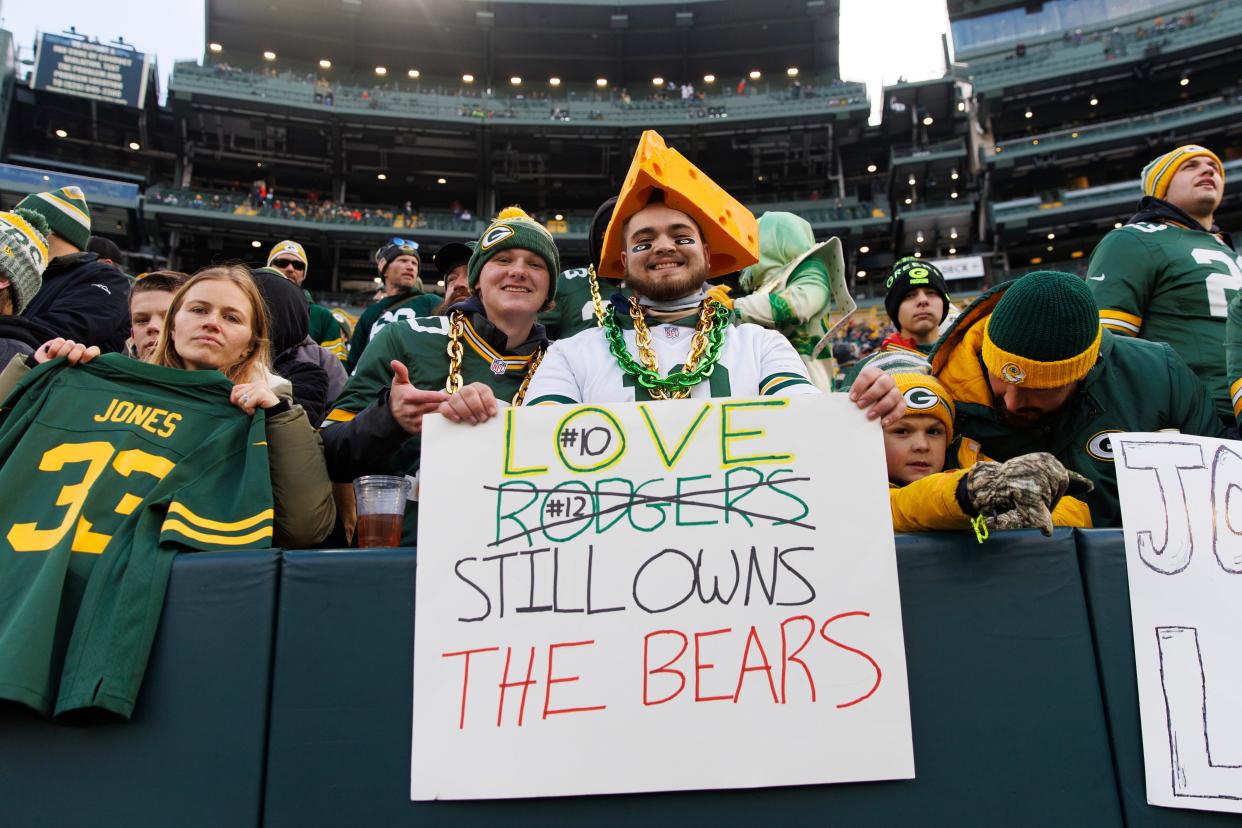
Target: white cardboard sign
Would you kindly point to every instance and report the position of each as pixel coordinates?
(657, 596)
(1181, 505)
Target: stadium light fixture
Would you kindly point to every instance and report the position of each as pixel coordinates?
(928, 121)
(60, 133)
(467, 78)
(440, 283)
(1073, 134)
(381, 70)
(755, 74)
(1185, 81)
(1051, 236)
(441, 180)
(381, 176)
(953, 232)
(1077, 254)
(953, 175)
(909, 201)
(961, 106)
(864, 249)
(215, 47)
(515, 80)
(559, 217)
(709, 79)
(1117, 225)
(1037, 260)
(862, 274)
(135, 146)
(414, 74)
(1035, 142)
(1048, 248)
(919, 237)
(953, 194)
(1029, 114)
(952, 251)
(1094, 100)
(325, 64)
(657, 81)
(998, 150)
(269, 55)
(601, 82)
(918, 254)
(792, 71)
(256, 243)
(554, 81)
(871, 168)
(910, 181)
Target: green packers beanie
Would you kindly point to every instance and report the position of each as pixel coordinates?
(66, 212)
(514, 229)
(1044, 332)
(908, 274)
(23, 254)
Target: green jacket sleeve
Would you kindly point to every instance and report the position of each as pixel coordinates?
(301, 490)
(371, 375)
(1122, 276)
(1194, 408)
(1233, 354)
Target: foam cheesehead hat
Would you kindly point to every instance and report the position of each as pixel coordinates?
(729, 229)
(910, 273)
(66, 212)
(1044, 332)
(291, 249)
(513, 229)
(1157, 175)
(23, 253)
(924, 394)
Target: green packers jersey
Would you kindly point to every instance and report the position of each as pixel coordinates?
(422, 345)
(1169, 283)
(1233, 355)
(381, 313)
(108, 470)
(326, 330)
(574, 311)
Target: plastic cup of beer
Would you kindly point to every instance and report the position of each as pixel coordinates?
(380, 500)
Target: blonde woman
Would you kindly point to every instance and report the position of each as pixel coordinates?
(217, 322)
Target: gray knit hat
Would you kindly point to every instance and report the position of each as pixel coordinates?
(23, 254)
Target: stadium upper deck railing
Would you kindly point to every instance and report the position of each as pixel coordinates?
(1187, 115)
(574, 108)
(379, 220)
(1121, 194)
(953, 148)
(1061, 56)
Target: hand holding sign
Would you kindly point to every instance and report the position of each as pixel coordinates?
(474, 404)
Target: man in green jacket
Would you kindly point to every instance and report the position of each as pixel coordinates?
(1031, 369)
(1169, 273)
(398, 263)
(289, 258)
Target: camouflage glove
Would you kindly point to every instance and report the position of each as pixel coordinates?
(1022, 492)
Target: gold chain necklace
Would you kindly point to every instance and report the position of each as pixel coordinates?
(642, 338)
(457, 327)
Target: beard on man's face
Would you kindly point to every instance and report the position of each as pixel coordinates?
(665, 288)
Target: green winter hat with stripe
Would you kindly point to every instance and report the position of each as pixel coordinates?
(514, 229)
(66, 211)
(1157, 175)
(1044, 332)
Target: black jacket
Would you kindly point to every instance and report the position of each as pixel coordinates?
(82, 299)
(18, 335)
(289, 315)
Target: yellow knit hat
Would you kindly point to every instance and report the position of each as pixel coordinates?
(1158, 174)
(924, 394)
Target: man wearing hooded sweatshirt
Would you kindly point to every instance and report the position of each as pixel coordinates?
(406, 371)
(1169, 273)
(83, 298)
(289, 315)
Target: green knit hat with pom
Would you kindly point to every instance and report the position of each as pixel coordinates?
(514, 229)
(23, 253)
(1044, 332)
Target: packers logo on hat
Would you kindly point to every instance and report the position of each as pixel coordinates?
(1012, 373)
(920, 398)
(495, 235)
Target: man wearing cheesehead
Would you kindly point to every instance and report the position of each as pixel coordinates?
(1030, 369)
(1169, 273)
(289, 259)
(485, 349)
(792, 287)
(671, 231)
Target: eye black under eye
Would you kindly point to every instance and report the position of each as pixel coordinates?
(684, 241)
(640, 247)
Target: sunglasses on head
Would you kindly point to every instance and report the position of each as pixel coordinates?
(403, 243)
(281, 264)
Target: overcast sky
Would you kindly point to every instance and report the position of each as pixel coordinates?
(881, 40)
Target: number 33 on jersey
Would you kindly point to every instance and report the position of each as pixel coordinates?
(109, 470)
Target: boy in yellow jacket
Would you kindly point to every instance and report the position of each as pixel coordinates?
(1025, 492)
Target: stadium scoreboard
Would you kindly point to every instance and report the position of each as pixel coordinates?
(91, 70)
